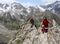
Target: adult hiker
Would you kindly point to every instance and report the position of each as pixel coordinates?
(45, 22)
(32, 23)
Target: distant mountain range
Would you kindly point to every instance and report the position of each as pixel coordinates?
(54, 7)
(17, 10)
(20, 8)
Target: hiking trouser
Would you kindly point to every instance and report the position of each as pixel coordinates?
(46, 30)
(32, 25)
(46, 27)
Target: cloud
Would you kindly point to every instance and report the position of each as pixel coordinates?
(49, 1)
(7, 1)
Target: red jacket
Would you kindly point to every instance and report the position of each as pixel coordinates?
(45, 22)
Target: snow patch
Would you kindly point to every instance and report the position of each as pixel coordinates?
(42, 9)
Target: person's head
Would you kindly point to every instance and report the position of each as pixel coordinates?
(44, 17)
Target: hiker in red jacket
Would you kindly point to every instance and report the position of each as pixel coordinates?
(45, 22)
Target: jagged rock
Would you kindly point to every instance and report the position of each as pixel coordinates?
(30, 35)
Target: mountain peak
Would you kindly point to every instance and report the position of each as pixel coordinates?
(54, 7)
(57, 1)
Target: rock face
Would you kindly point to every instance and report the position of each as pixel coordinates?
(5, 34)
(28, 35)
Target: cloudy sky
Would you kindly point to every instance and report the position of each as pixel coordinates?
(29, 2)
